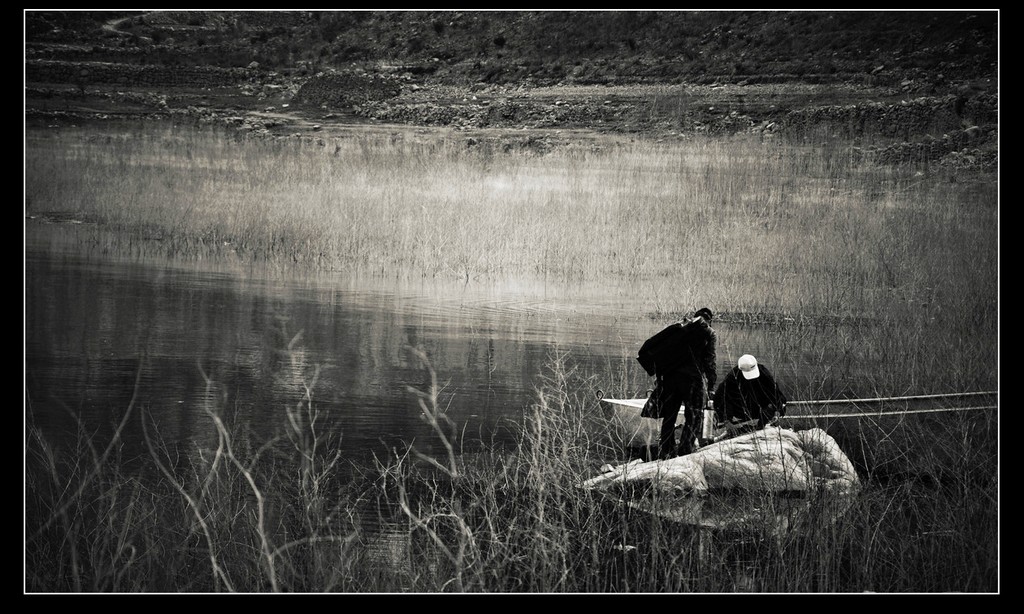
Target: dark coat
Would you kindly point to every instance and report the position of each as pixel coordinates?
(679, 355)
(739, 399)
(686, 349)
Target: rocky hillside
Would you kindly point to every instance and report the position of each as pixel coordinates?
(922, 84)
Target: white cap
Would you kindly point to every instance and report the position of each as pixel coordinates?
(748, 366)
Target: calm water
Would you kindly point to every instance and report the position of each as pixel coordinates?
(94, 326)
(249, 344)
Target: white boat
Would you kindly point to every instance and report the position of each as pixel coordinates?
(626, 427)
(796, 457)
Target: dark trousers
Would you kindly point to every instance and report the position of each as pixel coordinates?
(690, 393)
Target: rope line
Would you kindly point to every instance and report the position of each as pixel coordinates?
(920, 396)
(879, 414)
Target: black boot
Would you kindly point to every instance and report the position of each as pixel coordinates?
(685, 447)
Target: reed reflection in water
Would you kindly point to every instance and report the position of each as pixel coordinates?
(253, 345)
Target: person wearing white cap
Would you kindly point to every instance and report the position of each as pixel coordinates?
(749, 398)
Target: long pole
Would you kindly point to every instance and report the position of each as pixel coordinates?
(876, 399)
(878, 414)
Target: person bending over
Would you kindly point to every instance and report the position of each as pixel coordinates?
(682, 359)
(749, 398)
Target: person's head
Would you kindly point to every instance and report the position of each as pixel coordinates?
(705, 313)
(748, 367)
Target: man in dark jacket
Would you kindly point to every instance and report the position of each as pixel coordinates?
(749, 398)
(682, 358)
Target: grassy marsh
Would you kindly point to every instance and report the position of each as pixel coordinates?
(760, 225)
(288, 515)
(905, 259)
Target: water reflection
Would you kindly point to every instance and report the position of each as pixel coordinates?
(251, 345)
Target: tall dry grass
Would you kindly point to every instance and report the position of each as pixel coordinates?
(241, 515)
(760, 225)
(903, 259)
(284, 515)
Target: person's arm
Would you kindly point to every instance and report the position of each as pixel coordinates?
(735, 427)
(739, 418)
(709, 362)
(719, 401)
(729, 405)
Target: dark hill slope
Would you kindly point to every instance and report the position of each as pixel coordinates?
(608, 47)
(911, 84)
